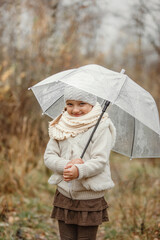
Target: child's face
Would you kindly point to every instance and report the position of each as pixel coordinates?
(77, 108)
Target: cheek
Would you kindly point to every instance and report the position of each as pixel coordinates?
(87, 109)
(68, 109)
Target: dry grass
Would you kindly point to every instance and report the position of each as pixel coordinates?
(134, 202)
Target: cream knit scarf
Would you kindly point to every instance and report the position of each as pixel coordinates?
(65, 126)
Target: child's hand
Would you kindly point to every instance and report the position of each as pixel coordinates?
(70, 172)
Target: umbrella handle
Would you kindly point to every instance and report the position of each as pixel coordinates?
(106, 104)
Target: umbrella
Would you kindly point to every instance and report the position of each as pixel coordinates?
(132, 109)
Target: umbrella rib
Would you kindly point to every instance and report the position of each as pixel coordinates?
(133, 138)
(120, 89)
(53, 103)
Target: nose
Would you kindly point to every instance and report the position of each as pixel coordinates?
(75, 110)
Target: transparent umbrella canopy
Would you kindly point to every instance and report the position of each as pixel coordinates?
(132, 109)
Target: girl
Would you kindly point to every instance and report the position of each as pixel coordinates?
(79, 204)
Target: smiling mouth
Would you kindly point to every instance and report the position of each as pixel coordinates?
(77, 115)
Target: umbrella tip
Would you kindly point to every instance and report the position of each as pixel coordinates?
(122, 71)
(29, 88)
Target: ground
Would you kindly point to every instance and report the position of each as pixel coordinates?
(134, 206)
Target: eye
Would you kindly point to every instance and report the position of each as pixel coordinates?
(69, 104)
(81, 104)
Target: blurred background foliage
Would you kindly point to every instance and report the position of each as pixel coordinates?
(40, 38)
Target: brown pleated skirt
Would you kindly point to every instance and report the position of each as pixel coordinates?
(80, 212)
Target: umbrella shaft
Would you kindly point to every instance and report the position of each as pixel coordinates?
(95, 127)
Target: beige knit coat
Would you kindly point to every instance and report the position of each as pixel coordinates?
(94, 175)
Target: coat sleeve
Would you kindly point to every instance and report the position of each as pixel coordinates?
(100, 151)
(52, 157)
